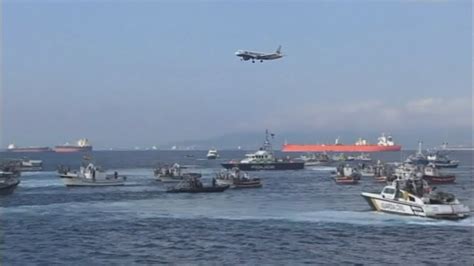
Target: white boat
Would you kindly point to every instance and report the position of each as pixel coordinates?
(212, 154)
(91, 176)
(414, 197)
(8, 182)
(316, 159)
(28, 165)
(363, 157)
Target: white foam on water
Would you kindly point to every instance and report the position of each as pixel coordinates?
(40, 182)
(321, 168)
(183, 208)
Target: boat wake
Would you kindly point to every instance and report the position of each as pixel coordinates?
(151, 209)
(321, 168)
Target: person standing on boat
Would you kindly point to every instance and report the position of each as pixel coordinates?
(213, 181)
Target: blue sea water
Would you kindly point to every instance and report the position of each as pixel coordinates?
(297, 217)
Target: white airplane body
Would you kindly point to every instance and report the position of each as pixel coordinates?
(247, 55)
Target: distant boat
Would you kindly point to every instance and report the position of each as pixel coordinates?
(441, 160)
(28, 165)
(212, 154)
(13, 148)
(82, 145)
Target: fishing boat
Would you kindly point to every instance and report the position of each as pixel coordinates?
(27, 165)
(264, 159)
(381, 172)
(173, 174)
(316, 159)
(237, 179)
(90, 176)
(8, 182)
(363, 157)
(341, 157)
(385, 143)
(441, 160)
(416, 198)
(434, 176)
(347, 175)
(212, 154)
(419, 158)
(194, 185)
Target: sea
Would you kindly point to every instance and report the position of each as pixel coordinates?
(297, 217)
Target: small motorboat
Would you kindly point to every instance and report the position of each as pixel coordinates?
(347, 175)
(237, 179)
(194, 185)
(173, 174)
(212, 154)
(415, 197)
(432, 174)
(316, 159)
(250, 183)
(363, 157)
(346, 180)
(90, 176)
(8, 182)
(441, 160)
(27, 165)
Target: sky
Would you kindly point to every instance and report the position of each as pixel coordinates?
(143, 73)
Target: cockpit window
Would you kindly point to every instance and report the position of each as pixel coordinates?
(389, 191)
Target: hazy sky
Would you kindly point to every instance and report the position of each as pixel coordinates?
(151, 72)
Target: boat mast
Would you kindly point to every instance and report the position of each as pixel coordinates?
(419, 147)
(267, 145)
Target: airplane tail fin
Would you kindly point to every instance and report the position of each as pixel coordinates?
(278, 51)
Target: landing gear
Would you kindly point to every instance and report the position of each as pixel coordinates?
(253, 61)
(261, 61)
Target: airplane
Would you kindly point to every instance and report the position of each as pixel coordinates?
(247, 55)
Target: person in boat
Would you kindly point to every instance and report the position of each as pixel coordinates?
(115, 175)
(213, 182)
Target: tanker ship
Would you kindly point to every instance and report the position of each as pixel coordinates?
(82, 145)
(13, 148)
(385, 143)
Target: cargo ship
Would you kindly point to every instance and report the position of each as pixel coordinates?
(82, 145)
(13, 148)
(385, 143)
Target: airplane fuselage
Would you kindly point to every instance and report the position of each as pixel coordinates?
(250, 55)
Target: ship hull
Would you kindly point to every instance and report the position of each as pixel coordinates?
(32, 149)
(66, 149)
(265, 166)
(338, 148)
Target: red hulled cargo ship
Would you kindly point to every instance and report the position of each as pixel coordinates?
(385, 143)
